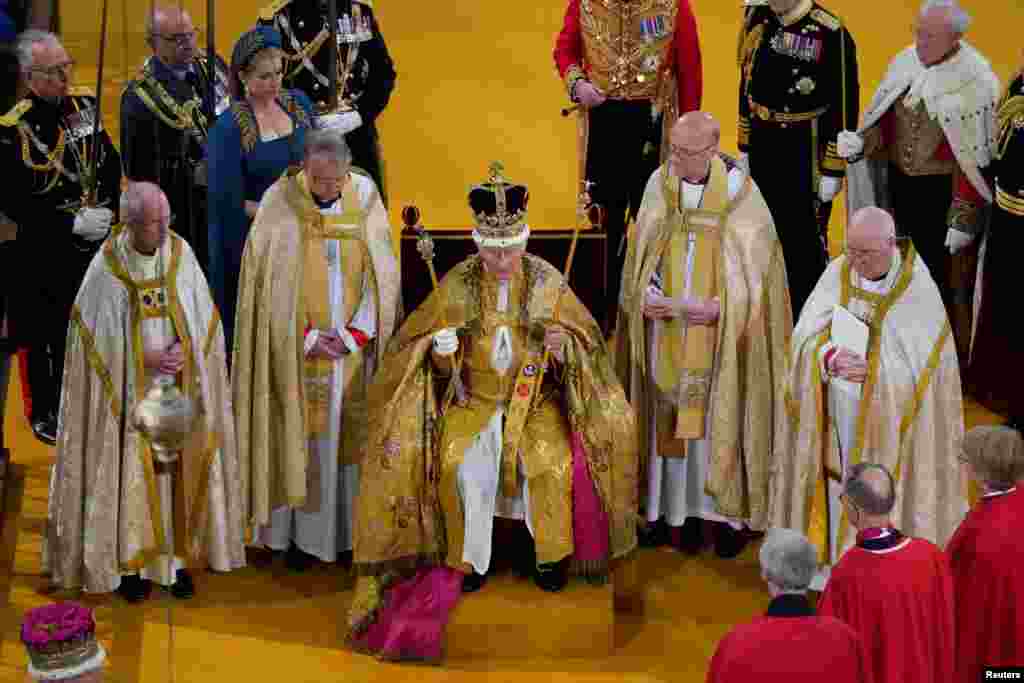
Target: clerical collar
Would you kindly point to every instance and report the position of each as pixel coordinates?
(789, 605)
(997, 494)
(879, 538)
(324, 203)
(699, 183)
(797, 13)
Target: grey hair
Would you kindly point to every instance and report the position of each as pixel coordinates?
(29, 38)
(959, 20)
(330, 143)
(151, 18)
(788, 560)
(864, 496)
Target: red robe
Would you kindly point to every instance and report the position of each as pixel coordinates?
(900, 600)
(685, 52)
(790, 648)
(987, 558)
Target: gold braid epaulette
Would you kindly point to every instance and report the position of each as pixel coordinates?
(268, 12)
(1009, 118)
(12, 117)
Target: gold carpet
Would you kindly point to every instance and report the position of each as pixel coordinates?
(476, 83)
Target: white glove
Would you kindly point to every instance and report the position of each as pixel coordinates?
(957, 240)
(344, 123)
(849, 144)
(829, 188)
(446, 342)
(588, 94)
(93, 224)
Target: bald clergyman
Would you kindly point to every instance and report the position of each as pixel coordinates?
(897, 403)
(703, 335)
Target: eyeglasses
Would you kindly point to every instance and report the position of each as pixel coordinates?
(690, 153)
(57, 71)
(178, 38)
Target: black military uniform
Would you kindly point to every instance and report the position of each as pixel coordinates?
(366, 74)
(791, 112)
(165, 117)
(998, 351)
(43, 150)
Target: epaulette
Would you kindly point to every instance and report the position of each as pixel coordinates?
(368, 3)
(268, 12)
(827, 20)
(755, 3)
(81, 91)
(12, 117)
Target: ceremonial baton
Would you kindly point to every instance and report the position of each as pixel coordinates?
(425, 247)
(214, 64)
(92, 164)
(332, 56)
(595, 214)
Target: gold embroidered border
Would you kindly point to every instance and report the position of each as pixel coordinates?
(832, 161)
(96, 361)
(922, 386)
(766, 114)
(211, 332)
(1008, 203)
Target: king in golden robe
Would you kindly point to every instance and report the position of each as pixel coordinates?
(704, 332)
(471, 423)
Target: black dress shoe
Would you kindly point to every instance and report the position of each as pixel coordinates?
(134, 588)
(45, 430)
(183, 588)
(691, 536)
(298, 560)
(653, 534)
(471, 583)
(729, 542)
(552, 576)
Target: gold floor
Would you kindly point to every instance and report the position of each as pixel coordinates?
(476, 83)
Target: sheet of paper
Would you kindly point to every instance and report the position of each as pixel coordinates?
(850, 333)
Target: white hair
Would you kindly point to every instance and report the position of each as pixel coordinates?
(329, 143)
(26, 40)
(788, 560)
(959, 19)
(133, 202)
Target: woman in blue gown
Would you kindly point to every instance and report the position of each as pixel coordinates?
(252, 144)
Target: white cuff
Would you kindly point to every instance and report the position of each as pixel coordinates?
(311, 338)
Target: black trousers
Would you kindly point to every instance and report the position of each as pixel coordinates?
(782, 164)
(365, 147)
(41, 323)
(920, 207)
(623, 150)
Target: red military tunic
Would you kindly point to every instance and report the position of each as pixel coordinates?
(684, 59)
(898, 595)
(790, 645)
(987, 558)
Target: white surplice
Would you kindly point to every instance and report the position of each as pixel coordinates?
(328, 531)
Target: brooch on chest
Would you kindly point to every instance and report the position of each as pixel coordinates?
(804, 48)
(354, 29)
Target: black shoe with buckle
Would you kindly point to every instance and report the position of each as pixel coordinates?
(552, 576)
(471, 583)
(134, 588)
(183, 588)
(45, 429)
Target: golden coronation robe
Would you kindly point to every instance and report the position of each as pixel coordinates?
(107, 497)
(908, 416)
(302, 421)
(411, 507)
(708, 398)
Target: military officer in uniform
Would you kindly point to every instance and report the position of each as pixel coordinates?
(165, 114)
(632, 67)
(798, 89)
(366, 74)
(63, 199)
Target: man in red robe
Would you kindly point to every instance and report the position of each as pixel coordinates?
(896, 591)
(789, 644)
(632, 68)
(987, 556)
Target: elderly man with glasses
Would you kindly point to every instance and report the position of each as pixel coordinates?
(874, 378)
(895, 590)
(144, 315)
(703, 327)
(61, 190)
(166, 112)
